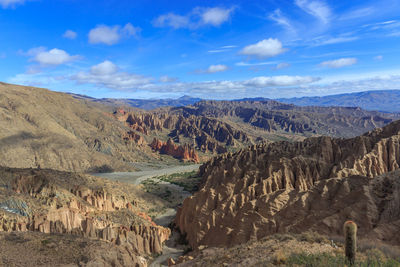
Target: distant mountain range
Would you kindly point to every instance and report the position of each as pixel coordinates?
(146, 104)
(384, 101)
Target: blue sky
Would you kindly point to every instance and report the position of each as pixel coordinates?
(208, 49)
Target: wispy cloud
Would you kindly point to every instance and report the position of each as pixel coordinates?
(11, 3)
(222, 49)
(249, 64)
(282, 65)
(318, 9)
(110, 35)
(264, 49)
(167, 79)
(335, 40)
(198, 17)
(339, 63)
(279, 18)
(357, 13)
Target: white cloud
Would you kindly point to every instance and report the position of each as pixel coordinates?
(216, 16)
(70, 34)
(10, 3)
(167, 79)
(264, 49)
(54, 56)
(217, 68)
(172, 20)
(318, 9)
(379, 57)
(339, 63)
(358, 13)
(337, 40)
(279, 18)
(247, 64)
(110, 35)
(198, 17)
(107, 74)
(224, 48)
(104, 68)
(283, 80)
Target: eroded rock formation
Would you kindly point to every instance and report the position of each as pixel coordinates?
(276, 188)
(67, 203)
(184, 152)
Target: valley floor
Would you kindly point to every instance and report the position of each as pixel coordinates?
(155, 180)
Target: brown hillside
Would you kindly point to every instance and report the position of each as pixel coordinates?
(41, 128)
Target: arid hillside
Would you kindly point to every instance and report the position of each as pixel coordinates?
(282, 187)
(279, 118)
(41, 128)
(61, 204)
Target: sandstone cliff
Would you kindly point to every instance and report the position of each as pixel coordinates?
(208, 135)
(296, 186)
(54, 202)
(185, 152)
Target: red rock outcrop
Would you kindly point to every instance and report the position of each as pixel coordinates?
(207, 134)
(273, 188)
(184, 152)
(67, 203)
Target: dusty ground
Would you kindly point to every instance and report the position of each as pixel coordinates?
(307, 249)
(38, 249)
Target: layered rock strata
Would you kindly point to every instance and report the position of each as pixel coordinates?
(318, 183)
(67, 203)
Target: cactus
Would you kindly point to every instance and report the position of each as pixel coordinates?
(350, 239)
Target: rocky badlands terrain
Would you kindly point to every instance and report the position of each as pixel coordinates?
(283, 187)
(54, 203)
(273, 175)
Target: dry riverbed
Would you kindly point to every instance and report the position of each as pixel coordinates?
(170, 183)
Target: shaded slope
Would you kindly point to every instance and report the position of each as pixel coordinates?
(41, 128)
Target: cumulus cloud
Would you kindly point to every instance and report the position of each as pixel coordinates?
(198, 17)
(54, 56)
(70, 34)
(339, 63)
(10, 3)
(215, 16)
(111, 35)
(217, 68)
(318, 9)
(107, 74)
(264, 49)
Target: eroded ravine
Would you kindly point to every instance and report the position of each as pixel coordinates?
(171, 248)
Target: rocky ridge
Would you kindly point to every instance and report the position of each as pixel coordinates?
(273, 116)
(54, 202)
(316, 184)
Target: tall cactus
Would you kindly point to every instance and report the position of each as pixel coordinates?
(350, 239)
